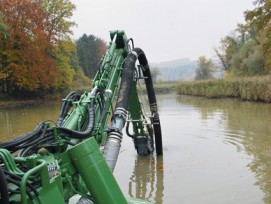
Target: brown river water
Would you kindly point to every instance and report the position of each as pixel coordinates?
(215, 151)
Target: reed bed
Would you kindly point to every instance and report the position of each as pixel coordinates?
(252, 88)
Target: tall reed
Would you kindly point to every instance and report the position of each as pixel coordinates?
(252, 88)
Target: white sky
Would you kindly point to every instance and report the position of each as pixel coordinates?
(165, 29)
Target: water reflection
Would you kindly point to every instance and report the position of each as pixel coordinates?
(215, 151)
(147, 179)
(247, 127)
(18, 120)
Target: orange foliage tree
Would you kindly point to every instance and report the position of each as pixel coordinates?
(25, 53)
(35, 49)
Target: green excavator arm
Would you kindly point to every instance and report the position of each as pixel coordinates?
(75, 156)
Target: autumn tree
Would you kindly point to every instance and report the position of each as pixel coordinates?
(3, 33)
(90, 50)
(204, 69)
(58, 26)
(24, 56)
(36, 53)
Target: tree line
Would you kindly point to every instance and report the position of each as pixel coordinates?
(37, 53)
(247, 50)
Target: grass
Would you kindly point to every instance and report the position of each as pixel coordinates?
(250, 88)
(159, 88)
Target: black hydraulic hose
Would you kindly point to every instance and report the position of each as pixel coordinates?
(152, 100)
(44, 135)
(127, 43)
(125, 90)
(17, 183)
(114, 137)
(35, 140)
(126, 81)
(147, 74)
(65, 132)
(127, 130)
(102, 109)
(66, 105)
(17, 179)
(4, 199)
(11, 144)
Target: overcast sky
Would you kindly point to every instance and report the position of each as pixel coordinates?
(165, 29)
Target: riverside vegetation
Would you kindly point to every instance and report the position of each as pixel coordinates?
(245, 59)
(247, 88)
(41, 60)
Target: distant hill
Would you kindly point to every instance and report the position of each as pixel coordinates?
(182, 69)
(176, 70)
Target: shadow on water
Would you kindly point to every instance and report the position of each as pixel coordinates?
(147, 179)
(247, 127)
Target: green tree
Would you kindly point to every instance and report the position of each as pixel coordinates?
(248, 61)
(58, 24)
(240, 53)
(204, 69)
(260, 18)
(80, 79)
(90, 50)
(65, 72)
(155, 73)
(58, 27)
(229, 46)
(3, 27)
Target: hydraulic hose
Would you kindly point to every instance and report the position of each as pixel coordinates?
(152, 100)
(66, 105)
(147, 74)
(14, 143)
(114, 137)
(78, 134)
(126, 81)
(4, 198)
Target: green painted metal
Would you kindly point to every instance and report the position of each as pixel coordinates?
(38, 168)
(136, 113)
(57, 162)
(95, 172)
(9, 162)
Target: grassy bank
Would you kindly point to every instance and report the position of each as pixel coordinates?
(252, 89)
(11, 101)
(159, 88)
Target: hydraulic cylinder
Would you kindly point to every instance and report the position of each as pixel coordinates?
(95, 172)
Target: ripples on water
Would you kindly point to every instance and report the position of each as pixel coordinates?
(215, 151)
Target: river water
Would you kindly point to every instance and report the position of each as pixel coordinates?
(215, 151)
